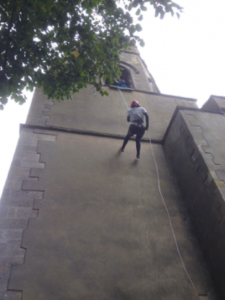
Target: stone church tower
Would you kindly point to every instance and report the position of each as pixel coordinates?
(82, 221)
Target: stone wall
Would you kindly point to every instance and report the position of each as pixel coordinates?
(17, 206)
(195, 145)
(215, 104)
(104, 114)
(102, 231)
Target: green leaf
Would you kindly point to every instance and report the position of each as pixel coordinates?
(142, 43)
(138, 27)
(138, 12)
(4, 100)
(143, 8)
(162, 13)
(46, 33)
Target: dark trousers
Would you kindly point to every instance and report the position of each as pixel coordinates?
(139, 131)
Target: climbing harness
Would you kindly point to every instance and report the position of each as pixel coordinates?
(164, 203)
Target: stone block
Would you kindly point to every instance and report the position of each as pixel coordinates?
(221, 175)
(13, 249)
(17, 202)
(10, 235)
(45, 136)
(24, 212)
(32, 186)
(35, 194)
(7, 193)
(31, 164)
(36, 172)
(18, 173)
(13, 184)
(13, 223)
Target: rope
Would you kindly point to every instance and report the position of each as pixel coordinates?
(165, 206)
(125, 103)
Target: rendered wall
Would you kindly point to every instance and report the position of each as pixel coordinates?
(101, 230)
(195, 144)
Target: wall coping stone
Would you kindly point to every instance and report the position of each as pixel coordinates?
(178, 108)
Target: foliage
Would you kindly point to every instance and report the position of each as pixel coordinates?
(62, 45)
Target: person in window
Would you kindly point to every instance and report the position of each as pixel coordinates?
(136, 115)
(121, 82)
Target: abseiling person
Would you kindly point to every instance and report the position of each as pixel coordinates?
(136, 115)
(121, 82)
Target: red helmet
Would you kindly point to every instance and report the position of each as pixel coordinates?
(134, 103)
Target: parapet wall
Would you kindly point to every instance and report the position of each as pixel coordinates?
(195, 145)
(215, 104)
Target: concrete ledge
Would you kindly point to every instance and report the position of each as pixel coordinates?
(84, 132)
(200, 179)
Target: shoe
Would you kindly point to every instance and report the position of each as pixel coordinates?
(138, 156)
(121, 149)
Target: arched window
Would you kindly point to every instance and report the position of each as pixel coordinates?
(125, 76)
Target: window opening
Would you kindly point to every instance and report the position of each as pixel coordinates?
(124, 81)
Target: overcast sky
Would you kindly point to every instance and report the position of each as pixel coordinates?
(186, 57)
